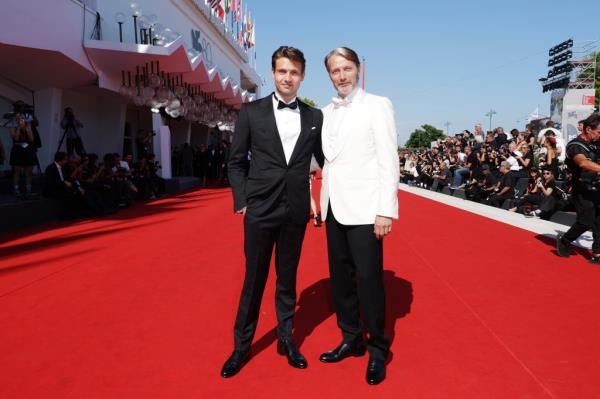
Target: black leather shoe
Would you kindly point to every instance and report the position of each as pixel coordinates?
(595, 260)
(375, 371)
(562, 247)
(343, 351)
(287, 348)
(234, 363)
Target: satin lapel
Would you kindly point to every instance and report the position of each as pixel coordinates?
(305, 128)
(272, 127)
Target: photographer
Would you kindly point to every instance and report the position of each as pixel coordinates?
(582, 160)
(71, 128)
(543, 195)
(506, 186)
(22, 154)
(441, 178)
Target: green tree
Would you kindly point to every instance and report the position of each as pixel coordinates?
(422, 138)
(308, 101)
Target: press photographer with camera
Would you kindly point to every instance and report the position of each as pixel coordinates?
(583, 160)
(71, 127)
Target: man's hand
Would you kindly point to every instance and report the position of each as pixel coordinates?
(242, 211)
(383, 226)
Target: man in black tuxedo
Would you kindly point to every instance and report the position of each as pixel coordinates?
(58, 185)
(271, 189)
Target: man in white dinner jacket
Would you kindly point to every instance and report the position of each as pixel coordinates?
(359, 199)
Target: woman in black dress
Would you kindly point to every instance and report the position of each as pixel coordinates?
(22, 154)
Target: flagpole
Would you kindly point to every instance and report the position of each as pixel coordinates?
(363, 73)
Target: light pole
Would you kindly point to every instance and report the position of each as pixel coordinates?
(447, 124)
(490, 114)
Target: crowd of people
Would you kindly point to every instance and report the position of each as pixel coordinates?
(522, 171)
(208, 164)
(87, 186)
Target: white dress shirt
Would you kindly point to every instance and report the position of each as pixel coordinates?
(59, 171)
(288, 125)
(341, 109)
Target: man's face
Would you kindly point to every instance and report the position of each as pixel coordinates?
(287, 77)
(343, 74)
(512, 146)
(593, 134)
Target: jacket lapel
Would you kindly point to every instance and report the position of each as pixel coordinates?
(350, 120)
(305, 128)
(269, 115)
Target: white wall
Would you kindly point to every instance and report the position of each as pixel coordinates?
(103, 119)
(49, 24)
(181, 16)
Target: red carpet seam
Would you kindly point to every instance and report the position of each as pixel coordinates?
(5, 294)
(483, 323)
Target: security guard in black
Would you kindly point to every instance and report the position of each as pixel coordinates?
(583, 160)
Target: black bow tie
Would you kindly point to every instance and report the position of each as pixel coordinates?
(292, 105)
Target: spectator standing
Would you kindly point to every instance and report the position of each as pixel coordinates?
(187, 160)
(22, 154)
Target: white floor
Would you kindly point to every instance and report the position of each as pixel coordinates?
(538, 226)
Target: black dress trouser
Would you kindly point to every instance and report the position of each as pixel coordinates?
(587, 206)
(261, 235)
(356, 270)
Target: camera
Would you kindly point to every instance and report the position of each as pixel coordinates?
(19, 107)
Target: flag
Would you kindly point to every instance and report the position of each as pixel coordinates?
(227, 6)
(236, 7)
(221, 10)
(214, 4)
(251, 34)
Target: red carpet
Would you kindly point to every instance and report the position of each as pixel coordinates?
(141, 305)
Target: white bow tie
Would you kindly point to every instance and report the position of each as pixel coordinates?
(340, 102)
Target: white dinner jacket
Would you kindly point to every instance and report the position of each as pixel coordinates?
(361, 175)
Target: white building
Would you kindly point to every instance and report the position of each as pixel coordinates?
(68, 53)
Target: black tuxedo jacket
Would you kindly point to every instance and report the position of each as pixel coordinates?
(258, 183)
(53, 185)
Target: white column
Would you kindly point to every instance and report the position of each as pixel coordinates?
(48, 109)
(162, 145)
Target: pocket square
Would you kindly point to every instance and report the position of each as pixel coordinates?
(313, 128)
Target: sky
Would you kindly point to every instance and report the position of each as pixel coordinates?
(438, 61)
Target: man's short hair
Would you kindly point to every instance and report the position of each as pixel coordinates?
(506, 164)
(550, 124)
(591, 121)
(60, 156)
(344, 52)
(546, 168)
(291, 53)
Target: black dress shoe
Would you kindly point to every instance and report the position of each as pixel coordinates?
(287, 348)
(562, 247)
(343, 351)
(375, 371)
(234, 363)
